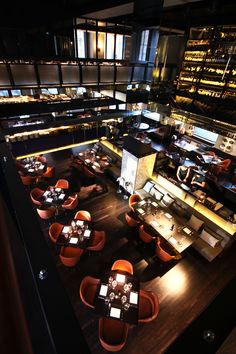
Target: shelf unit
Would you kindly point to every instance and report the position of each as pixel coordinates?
(208, 67)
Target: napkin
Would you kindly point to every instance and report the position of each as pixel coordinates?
(172, 240)
(154, 204)
(115, 312)
(61, 196)
(154, 223)
(73, 240)
(141, 211)
(79, 222)
(65, 229)
(87, 233)
(57, 189)
(133, 297)
(187, 231)
(103, 290)
(49, 200)
(168, 216)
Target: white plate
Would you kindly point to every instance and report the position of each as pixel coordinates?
(154, 204)
(49, 200)
(61, 196)
(168, 216)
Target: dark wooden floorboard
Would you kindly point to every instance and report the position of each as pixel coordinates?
(184, 288)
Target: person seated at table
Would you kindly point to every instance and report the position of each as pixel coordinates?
(198, 180)
(183, 173)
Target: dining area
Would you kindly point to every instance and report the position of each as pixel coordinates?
(119, 303)
(134, 286)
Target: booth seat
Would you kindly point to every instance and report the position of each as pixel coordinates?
(212, 239)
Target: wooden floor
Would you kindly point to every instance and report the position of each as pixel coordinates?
(184, 288)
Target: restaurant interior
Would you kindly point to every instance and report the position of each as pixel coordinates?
(118, 199)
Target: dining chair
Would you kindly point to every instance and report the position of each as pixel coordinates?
(145, 236)
(71, 202)
(148, 307)
(222, 166)
(83, 215)
(112, 334)
(28, 180)
(54, 231)
(62, 183)
(123, 265)
(87, 290)
(47, 213)
(134, 198)
(49, 173)
(88, 173)
(41, 158)
(70, 256)
(35, 194)
(131, 221)
(165, 252)
(98, 241)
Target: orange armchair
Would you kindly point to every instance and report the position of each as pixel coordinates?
(62, 183)
(83, 215)
(148, 308)
(134, 198)
(144, 235)
(165, 254)
(123, 265)
(35, 194)
(112, 334)
(131, 221)
(221, 167)
(49, 173)
(70, 256)
(98, 241)
(71, 202)
(28, 180)
(54, 231)
(88, 173)
(87, 290)
(41, 158)
(47, 213)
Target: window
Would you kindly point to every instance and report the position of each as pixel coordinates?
(16, 92)
(143, 45)
(110, 46)
(119, 46)
(4, 93)
(81, 43)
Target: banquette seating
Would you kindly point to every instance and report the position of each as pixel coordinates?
(212, 239)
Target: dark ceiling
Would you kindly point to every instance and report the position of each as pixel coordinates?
(175, 13)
